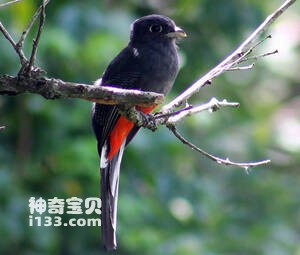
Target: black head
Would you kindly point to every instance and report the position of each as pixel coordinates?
(155, 27)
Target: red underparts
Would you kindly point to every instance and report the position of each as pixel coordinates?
(121, 130)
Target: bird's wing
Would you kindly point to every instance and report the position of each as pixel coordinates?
(118, 74)
(103, 120)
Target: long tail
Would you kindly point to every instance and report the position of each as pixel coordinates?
(110, 172)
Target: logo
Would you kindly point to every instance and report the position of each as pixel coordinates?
(49, 212)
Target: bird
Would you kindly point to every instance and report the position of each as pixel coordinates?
(150, 62)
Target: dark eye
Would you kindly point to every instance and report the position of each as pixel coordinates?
(155, 28)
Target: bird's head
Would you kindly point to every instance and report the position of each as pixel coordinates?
(155, 27)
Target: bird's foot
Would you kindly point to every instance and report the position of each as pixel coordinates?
(148, 121)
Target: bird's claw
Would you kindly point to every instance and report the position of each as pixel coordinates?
(148, 121)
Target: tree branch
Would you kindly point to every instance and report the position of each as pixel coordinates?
(57, 89)
(239, 68)
(219, 160)
(170, 120)
(41, 10)
(9, 3)
(152, 121)
(29, 26)
(211, 106)
(255, 58)
(18, 50)
(241, 52)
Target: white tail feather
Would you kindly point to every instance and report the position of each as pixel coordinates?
(114, 184)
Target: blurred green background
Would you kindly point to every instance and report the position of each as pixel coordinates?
(172, 200)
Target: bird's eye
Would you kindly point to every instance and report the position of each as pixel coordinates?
(155, 28)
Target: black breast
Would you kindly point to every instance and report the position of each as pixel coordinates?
(150, 67)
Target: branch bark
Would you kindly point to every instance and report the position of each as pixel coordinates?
(58, 89)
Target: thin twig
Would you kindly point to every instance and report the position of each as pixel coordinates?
(227, 161)
(243, 55)
(240, 68)
(19, 45)
(7, 35)
(29, 26)
(160, 115)
(9, 3)
(38, 35)
(260, 42)
(255, 58)
(213, 105)
(18, 50)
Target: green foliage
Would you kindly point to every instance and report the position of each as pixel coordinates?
(172, 200)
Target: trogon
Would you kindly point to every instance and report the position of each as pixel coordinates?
(150, 62)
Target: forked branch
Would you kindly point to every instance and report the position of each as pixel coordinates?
(245, 165)
(242, 51)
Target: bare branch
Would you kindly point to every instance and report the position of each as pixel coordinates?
(240, 68)
(259, 43)
(219, 160)
(9, 3)
(255, 58)
(38, 35)
(19, 45)
(212, 106)
(7, 35)
(55, 89)
(170, 120)
(18, 50)
(242, 51)
(151, 122)
(29, 26)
